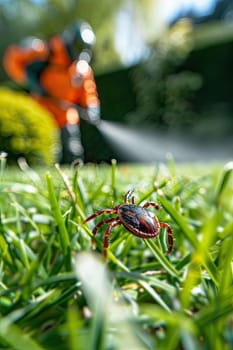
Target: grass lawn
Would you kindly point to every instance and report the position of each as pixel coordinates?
(56, 292)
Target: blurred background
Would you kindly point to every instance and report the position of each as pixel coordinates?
(163, 70)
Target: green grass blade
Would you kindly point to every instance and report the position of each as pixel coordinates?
(159, 255)
(16, 338)
(190, 235)
(113, 178)
(147, 286)
(221, 307)
(169, 288)
(193, 278)
(63, 234)
(227, 171)
(228, 229)
(176, 216)
(75, 200)
(75, 323)
(225, 264)
(155, 295)
(97, 289)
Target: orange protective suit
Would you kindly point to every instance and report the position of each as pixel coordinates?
(64, 83)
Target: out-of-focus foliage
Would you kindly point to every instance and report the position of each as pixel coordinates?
(165, 95)
(26, 130)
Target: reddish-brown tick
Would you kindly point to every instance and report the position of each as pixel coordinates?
(138, 220)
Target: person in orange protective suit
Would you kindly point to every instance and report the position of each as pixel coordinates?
(58, 75)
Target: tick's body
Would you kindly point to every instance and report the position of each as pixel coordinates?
(138, 220)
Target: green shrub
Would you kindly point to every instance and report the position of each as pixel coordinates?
(26, 129)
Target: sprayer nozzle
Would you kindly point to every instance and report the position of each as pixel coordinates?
(93, 121)
(93, 113)
(96, 121)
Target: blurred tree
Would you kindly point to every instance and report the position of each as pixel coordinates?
(165, 95)
(220, 10)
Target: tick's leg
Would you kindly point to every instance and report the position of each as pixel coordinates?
(99, 212)
(133, 200)
(97, 227)
(151, 204)
(127, 196)
(169, 236)
(114, 223)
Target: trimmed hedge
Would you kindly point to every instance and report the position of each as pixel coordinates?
(26, 130)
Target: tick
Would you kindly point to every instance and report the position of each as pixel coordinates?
(136, 219)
